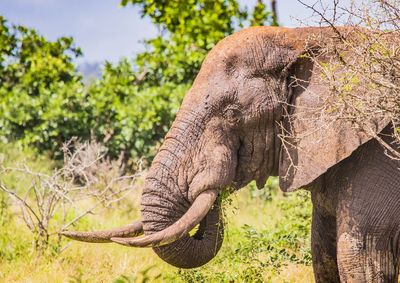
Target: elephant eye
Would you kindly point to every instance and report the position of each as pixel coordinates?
(232, 115)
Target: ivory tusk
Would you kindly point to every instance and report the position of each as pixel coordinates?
(131, 230)
(179, 229)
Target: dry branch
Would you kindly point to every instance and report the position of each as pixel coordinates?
(361, 67)
(87, 174)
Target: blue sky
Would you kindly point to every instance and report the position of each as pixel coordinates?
(103, 29)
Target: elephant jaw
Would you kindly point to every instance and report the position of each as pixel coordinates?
(258, 154)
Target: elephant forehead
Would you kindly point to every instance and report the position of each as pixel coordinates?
(249, 53)
(256, 48)
(259, 37)
(256, 42)
(295, 38)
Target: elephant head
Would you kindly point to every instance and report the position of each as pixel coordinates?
(226, 134)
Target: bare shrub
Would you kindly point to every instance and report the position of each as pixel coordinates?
(49, 200)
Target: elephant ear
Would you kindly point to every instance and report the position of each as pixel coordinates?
(312, 142)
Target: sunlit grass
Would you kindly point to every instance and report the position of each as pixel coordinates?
(83, 262)
(265, 241)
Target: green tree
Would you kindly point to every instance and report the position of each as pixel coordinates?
(261, 16)
(188, 30)
(129, 119)
(7, 45)
(42, 99)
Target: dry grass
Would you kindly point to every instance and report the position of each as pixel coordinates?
(84, 262)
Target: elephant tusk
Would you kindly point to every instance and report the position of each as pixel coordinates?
(179, 229)
(131, 230)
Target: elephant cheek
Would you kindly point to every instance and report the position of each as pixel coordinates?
(257, 154)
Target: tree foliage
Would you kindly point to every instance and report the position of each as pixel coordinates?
(42, 96)
(128, 118)
(44, 102)
(261, 14)
(188, 30)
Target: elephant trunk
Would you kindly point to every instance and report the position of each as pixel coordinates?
(164, 204)
(198, 249)
(180, 193)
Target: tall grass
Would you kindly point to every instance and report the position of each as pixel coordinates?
(266, 240)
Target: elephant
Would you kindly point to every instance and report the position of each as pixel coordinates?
(228, 132)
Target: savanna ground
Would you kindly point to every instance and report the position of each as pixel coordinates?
(267, 239)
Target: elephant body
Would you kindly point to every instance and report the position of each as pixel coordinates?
(356, 218)
(250, 114)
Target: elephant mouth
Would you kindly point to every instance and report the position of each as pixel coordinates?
(259, 175)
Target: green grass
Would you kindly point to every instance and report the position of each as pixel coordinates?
(266, 240)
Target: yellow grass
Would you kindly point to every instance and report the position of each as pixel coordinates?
(238, 261)
(83, 262)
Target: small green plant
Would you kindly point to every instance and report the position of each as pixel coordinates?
(257, 255)
(267, 192)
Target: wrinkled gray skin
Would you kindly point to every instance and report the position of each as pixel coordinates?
(227, 134)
